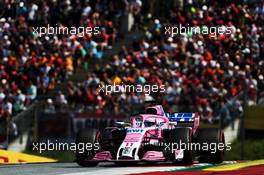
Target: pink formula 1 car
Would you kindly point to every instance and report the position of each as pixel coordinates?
(152, 136)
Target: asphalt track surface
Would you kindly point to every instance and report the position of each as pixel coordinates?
(108, 168)
(73, 169)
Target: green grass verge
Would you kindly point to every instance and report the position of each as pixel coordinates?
(253, 149)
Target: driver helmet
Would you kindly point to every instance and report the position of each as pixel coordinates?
(149, 123)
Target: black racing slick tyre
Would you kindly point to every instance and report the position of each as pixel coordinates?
(179, 136)
(111, 139)
(215, 141)
(84, 156)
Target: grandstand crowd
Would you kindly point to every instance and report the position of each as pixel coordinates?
(207, 74)
(201, 73)
(31, 65)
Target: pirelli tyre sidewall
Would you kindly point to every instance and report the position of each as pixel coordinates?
(210, 136)
(84, 157)
(178, 135)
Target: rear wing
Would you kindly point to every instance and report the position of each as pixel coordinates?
(182, 117)
(192, 119)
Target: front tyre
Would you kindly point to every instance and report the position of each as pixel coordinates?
(83, 156)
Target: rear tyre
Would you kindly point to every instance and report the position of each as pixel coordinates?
(215, 140)
(179, 136)
(84, 157)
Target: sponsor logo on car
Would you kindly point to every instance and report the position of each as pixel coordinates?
(135, 130)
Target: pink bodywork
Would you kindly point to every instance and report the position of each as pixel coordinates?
(196, 122)
(138, 132)
(103, 155)
(153, 155)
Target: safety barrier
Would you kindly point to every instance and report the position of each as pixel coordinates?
(64, 125)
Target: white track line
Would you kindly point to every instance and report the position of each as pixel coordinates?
(130, 170)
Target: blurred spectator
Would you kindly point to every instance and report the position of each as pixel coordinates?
(60, 98)
(8, 107)
(261, 99)
(20, 99)
(31, 91)
(60, 102)
(49, 106)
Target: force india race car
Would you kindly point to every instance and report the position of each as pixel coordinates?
(152, 136)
